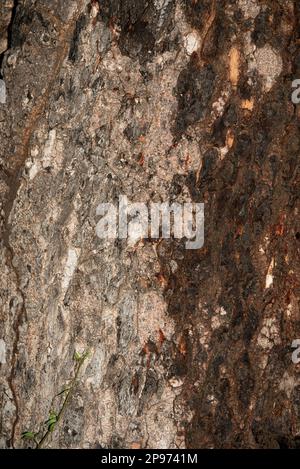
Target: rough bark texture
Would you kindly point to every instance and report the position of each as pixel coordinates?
(186, 100)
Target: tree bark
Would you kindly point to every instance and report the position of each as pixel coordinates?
(158, 100)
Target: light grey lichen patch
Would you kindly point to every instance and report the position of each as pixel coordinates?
(269, 334)
(269, 65)
(250, 8)
(2, 92)
(70, 267)
(49, 146)
(161, 6)
(192, 42)
(2, 352)
(288, 384)
(97, 367)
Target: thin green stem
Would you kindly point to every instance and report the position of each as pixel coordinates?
(44, 438)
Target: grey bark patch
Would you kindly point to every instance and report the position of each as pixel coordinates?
(268, 20)
(125, 322)
(150, 389)
(27, 19)
(133, 131)
(194, 90)
(144, 25)
(126, 398)
(74, 47)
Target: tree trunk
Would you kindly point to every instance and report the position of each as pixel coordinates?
(157, 100)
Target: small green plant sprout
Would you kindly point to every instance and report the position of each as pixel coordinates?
(39, 438)
(80, 357)
(52, 420)
(30, 436)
